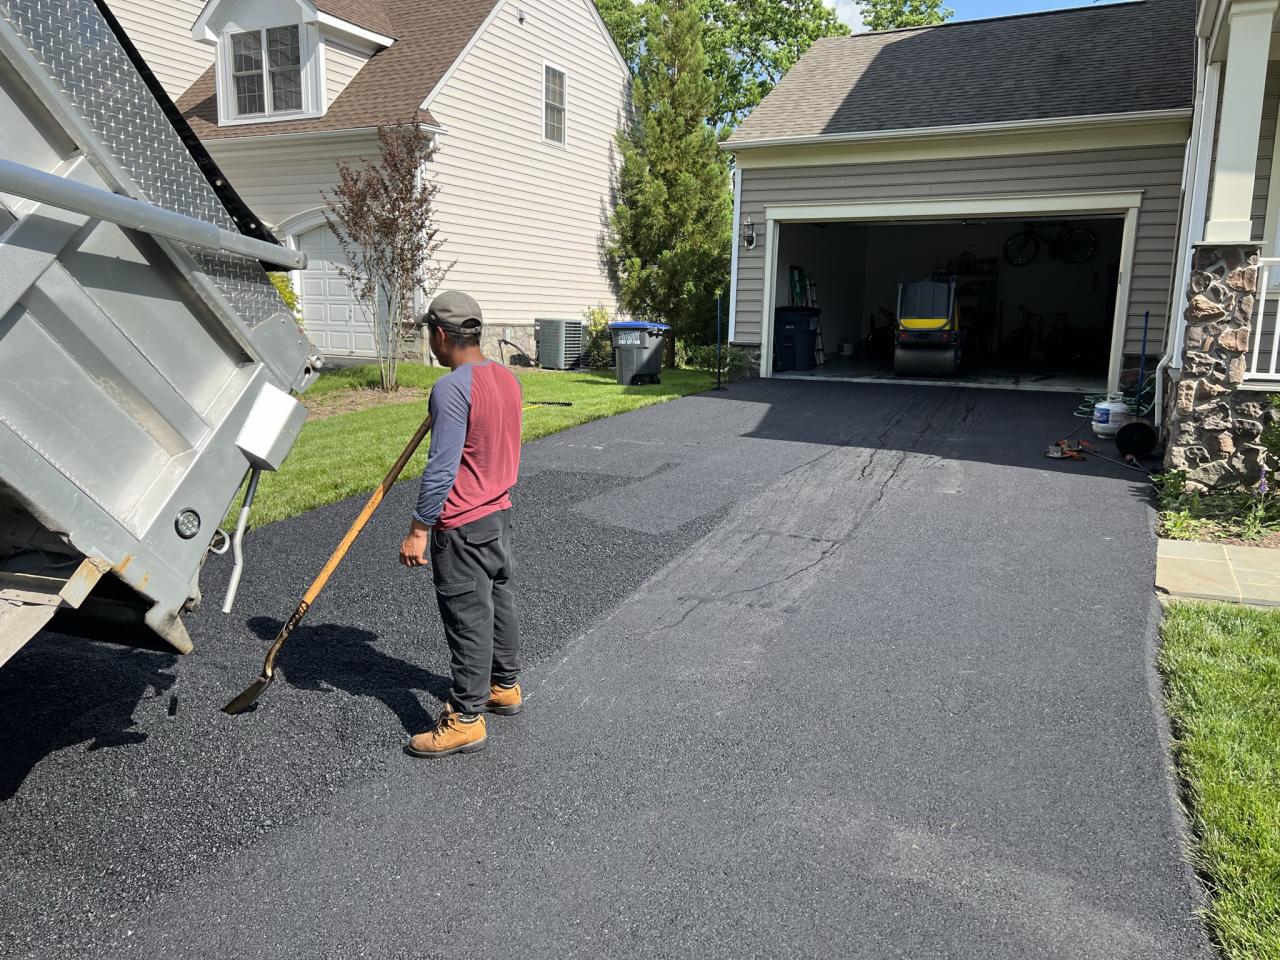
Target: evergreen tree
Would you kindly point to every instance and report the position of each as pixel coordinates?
(669, 237)
(891, 14)
(749, 44)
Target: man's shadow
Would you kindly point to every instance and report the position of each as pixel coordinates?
(346, 658)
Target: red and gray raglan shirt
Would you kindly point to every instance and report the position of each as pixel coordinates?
(475, 446)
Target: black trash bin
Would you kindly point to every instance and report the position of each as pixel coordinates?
(795, 338)
(637, 346)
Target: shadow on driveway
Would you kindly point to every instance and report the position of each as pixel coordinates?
(331, 656)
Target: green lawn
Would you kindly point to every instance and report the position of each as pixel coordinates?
(349, 453)
(1221, 664)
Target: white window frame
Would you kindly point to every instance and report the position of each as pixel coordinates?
(548, 65)
(311, 65)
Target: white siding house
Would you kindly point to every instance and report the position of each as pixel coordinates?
(521, 213)
(162, 33)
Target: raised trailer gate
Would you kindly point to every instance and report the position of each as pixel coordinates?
(147, 363)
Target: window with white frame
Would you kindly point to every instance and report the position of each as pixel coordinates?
(266, 72)
(553, 104)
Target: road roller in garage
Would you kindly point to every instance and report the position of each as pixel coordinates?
(928, 334)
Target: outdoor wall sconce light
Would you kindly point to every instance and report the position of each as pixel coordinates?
(749, 234)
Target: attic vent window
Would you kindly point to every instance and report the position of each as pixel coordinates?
(553, 105)
(275, 79)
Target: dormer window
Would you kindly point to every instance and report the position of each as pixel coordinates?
(271, 84)
(268, 70)
(273, 57)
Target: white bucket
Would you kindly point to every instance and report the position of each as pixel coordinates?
(1110, 415)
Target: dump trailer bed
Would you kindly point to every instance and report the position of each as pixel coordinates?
(147, 363)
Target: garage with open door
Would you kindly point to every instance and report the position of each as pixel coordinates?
(923, 207)
(1028, 299)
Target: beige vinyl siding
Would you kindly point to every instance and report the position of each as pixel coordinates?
(161, 30)
(341, 63)
(283, 180)
(522, 218)
(1155, 170)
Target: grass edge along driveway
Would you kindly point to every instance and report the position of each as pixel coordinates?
(1221, 666)
(349, 453)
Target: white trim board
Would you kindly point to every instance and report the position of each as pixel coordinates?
(1027, 141)
(354, 31)
(964, 129)
(733, 257)
(945, 208)
(348, 136)
(301, 222)
(941, 208)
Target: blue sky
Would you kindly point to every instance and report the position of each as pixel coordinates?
(968, 9)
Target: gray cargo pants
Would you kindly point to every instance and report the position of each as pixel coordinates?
(472, 569)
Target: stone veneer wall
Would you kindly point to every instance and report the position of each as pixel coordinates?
(521, 334)
(1213, 429)
(752, 350)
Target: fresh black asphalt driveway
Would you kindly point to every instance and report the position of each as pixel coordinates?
(815, 670)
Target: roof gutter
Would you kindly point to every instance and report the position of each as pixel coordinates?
(957, 130)
(217, 143)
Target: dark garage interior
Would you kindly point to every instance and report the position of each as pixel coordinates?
(1034, 299)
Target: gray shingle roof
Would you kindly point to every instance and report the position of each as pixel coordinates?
(1086, 61)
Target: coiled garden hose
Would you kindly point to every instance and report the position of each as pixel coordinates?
(1085, 409)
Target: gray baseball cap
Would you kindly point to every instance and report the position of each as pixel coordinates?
(454, 311)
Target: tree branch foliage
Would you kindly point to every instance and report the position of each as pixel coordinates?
(382, 213)
(892, 14)
(752, 43)
(749, 45)
(625, 20)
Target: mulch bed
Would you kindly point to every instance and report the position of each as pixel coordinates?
(348, 401)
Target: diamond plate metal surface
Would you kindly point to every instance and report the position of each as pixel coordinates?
(83, 58)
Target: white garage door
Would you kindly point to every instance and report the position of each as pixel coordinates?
(336, 323)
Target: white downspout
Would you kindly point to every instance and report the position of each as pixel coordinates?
(1199, 158)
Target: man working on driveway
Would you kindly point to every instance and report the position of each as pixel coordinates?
(463, 513)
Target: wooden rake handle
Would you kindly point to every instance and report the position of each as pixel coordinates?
(344, 545)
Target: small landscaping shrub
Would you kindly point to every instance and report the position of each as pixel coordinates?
(735, 364)
(597, 352)
(284, 287)
(1251, 513)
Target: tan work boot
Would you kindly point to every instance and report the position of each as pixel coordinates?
(451, 735)
(505, 700)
